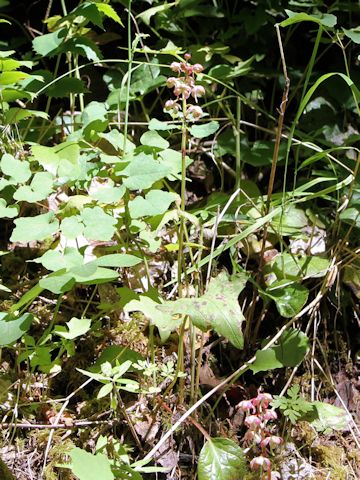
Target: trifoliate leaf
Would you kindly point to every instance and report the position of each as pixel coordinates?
(98, 224)
(40, 188)
(156, 202)
(10, 211)
(18, 171)
(34, 228)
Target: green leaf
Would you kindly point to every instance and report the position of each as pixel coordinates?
(40, 188)
(76, 328)
(293, 267)
(221, 459)
(90, 467)
(58, 282)
(204, 130)
(98, 224)
(156, 202)
(54, 260)
(327, 417)
(290, 351)
(108, 193)
(156, 124)
(292, 220)
(353, 34)
(105, 390)
(62, 160)
(35, 228)
(218, 308)
(143, 171)
(85, 47)
(150, 12)
(289, 299)
(72, 227)
(16, 114)
(162, 320)
(118, 260)
(12, 327)
(10, 211)
(48, 44)
(109, 12)
(324, 19)
(153, 139)
(18, 171)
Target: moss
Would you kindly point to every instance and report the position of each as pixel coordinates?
(5, 473)
(333, 458)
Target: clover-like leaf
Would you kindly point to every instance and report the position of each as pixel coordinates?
(18, 171)
(98, 224)
(9, 211)
(143, 171)
(40, 188)
(35, 228)
(156, 202)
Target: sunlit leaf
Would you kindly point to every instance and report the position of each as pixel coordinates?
(221, 459)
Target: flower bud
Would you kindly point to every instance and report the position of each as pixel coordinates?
(187, 56)
(198, 68)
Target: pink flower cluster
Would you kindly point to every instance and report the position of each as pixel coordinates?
(185, 87)
(259, 434)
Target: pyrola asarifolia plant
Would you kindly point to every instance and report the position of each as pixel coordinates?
(260, 435)
(185, 87)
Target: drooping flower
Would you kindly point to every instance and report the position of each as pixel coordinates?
(197, 91)
(246, 406)
(270, 415)
(260, 462)
(253, 422)
(195, 112)
(273, 441)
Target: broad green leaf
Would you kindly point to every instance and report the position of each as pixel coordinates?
(171, 159)
(12, 327)
(327, 417)
(150, 12)
(108, 193)
(98, 224)
(75, 328)
(143, 171)
(10, 211)
(164, 322)
(94, 118)
(156, 202)
(293, 267)
(218, 308)
(351, 215)
(98, 276)
(152, 139)
(260, 153)
(8, 78)
(118, 260)
(16, 114)
(58, 282)
(156, 124)
(54, 260)
(204, 130)
(72, 227)
(40, 188)
(289, 299)
(146, 78)
(324, 19)
(62, 160)
(90, 467)
(289, 352)
(35, 228)
(47, 44)
(85, 47)
(105, 390)
(18, 171)
(64, 86)
(221, 459)
(117, 140)
(353, 34)
(290, 221)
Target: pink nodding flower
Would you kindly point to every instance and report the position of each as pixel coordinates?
(197, 91)
(195, 111)
(246, 406)
(252, 422)
(176, 67)
(171, 105)
(251, 436)
(273, 441)
(270, 415)
(172, 82)
(262, 400)
(260, 462)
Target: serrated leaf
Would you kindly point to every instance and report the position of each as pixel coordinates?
(156, 202)
(218, 308)
(290, 351)
(152, 139)
(204, 130)
(98, 224)
(75, 328)
(221, 459)
(48, 44)
(109, 12)
(143, 171)
(16, 114)
(35, 228)
(90, 467)
(150, 12)
(12, 328)
(10, 211)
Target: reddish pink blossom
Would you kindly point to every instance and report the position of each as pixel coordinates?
(176, 67)
(273, 441)
(260, 462)
(246, 406)
(198, 91)
(270, 415)
(198, 68)
(253, 422)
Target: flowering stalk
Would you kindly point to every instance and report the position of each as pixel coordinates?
(260, 436)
